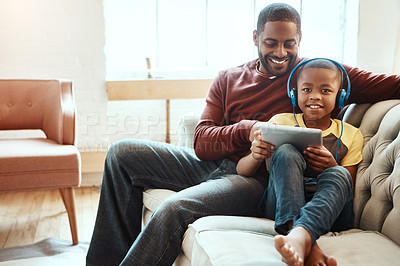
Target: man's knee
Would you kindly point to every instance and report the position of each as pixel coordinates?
(117, 148)
(175, 208)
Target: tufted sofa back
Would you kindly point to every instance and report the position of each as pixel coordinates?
(377, 195)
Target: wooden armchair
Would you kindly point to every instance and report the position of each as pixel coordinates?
(40, 163)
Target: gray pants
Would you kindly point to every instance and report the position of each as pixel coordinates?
(204, 188)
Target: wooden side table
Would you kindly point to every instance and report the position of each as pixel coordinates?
(154, 89)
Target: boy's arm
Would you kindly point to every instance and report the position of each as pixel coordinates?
(259, 151)
(353, 171)
(319, 158)
(247, 166)
(354, 155)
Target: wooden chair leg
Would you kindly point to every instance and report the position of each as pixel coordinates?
(68, 196)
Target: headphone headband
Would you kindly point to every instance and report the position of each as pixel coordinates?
(342, 98)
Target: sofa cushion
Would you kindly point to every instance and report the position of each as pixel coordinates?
(219, 224)
(238, 242)
(234, 248)
(358, 247)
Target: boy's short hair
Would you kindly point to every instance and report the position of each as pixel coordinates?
(325, 64)
(278, 12)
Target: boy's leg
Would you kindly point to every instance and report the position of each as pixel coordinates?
(132, 166)
(285, 193)
(333, 199)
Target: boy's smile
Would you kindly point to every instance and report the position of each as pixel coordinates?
(317, 90)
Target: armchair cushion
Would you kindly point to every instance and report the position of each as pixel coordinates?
(38, 163)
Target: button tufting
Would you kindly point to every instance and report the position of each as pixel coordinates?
(29, 104)
(9, 104)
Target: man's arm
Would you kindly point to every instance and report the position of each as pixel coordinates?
(214, 138)
(369, 87)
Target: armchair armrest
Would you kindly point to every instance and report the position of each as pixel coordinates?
(68, 112)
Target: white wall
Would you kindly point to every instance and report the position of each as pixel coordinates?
(58, 39)
(66, 39)
(378, 30)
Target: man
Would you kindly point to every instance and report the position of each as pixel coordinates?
(238, 98)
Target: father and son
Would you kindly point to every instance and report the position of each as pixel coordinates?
(233, 180)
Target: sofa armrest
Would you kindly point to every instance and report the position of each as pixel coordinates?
(354, 113)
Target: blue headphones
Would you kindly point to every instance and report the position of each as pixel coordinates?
(342, 95)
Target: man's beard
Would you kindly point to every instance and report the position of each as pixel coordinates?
(270, 70)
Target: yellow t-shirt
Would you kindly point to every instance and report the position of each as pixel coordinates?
(351, 142)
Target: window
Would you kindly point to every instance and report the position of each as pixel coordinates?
(197, 38)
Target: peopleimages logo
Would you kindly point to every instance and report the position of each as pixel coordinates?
(212, 147)
(114, 124)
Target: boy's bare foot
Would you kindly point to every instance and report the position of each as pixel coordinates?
(317, 257)
(294, 247)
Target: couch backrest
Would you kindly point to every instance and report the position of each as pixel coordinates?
(32, 104)
(377, 195)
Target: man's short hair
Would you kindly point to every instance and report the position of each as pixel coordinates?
(278, 12)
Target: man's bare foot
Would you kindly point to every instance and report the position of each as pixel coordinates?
(317, 257)
(294, 247)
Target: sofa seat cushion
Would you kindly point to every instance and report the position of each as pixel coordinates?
(217, 240)
(211, 238)
(43, 165)
(358, 247)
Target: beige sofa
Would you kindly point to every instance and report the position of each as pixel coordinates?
(229, 240)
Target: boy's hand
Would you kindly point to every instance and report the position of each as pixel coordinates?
(319, 158)
(260, 150)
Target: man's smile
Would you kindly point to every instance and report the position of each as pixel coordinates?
(278, 61)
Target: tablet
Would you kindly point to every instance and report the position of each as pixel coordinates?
(300, 137)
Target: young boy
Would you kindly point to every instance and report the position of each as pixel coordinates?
(326, 173)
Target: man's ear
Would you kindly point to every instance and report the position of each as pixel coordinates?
(300, 35)
(255, 38)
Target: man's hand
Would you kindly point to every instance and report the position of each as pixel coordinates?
(319, 159)
(260, 150)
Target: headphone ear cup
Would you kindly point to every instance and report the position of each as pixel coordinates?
(293, 96)
(340, 98)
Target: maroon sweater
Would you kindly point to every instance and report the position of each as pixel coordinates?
(241, 96)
